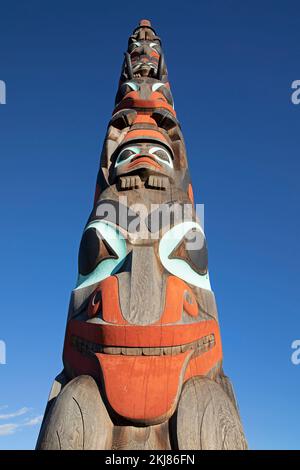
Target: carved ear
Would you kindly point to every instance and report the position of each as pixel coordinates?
(122, 91)
(166, 92)
(128, 65)
(180, 154)
(123, 119)
(164, 119)
(160, 68)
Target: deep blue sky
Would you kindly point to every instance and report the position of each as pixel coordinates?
(231, 65)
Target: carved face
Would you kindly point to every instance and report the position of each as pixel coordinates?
(140, 93)
(181, 251)
(143, 157)
(144, 57)
(142, 304)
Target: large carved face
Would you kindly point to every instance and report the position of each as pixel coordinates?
(143, 158)
(142, 306)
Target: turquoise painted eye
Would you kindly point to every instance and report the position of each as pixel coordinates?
(102, 253)
(125, 155)
(162, 155)
(178, 266)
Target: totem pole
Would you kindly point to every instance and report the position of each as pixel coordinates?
(142, 353)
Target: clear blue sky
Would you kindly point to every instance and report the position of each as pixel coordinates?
(231, 65)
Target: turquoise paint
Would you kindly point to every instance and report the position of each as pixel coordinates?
(136, 151)
(106, 267)
(179, 267)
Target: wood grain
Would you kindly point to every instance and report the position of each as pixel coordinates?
(141, 438)
(77, 420)
(207, 419)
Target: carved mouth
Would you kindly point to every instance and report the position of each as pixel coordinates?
(89, 348)
(141, 69)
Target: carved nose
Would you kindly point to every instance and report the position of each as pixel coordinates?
(140, 290)
(144, 50)
(143, 155)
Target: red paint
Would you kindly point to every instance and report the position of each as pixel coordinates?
(142, 133)
(157, 379)
(143, 388)
(141, 336)
(145, 160)
(138, 103)
(191, 193)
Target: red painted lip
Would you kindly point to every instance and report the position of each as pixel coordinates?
(142, 336)
(158, 379)
(144, 160)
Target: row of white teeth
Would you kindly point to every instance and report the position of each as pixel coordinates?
(150, 67)
(88, 348)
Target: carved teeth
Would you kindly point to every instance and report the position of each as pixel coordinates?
(176, 350)
(130, 182)
(151, 351)
(146, 351)
(89, 348)
(158, 182)
(167, 351)
(111, 350)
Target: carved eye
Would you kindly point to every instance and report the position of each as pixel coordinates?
(165, 91)
(193, 248)
(133, 46)
(124, 89)
(102, 251)
(125, 155)
(162, 155)
(93, 249)
(183, 252)
(154, 46)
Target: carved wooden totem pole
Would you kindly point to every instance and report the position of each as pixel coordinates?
(142, 354)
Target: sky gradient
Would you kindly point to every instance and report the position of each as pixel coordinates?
(231, 65)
